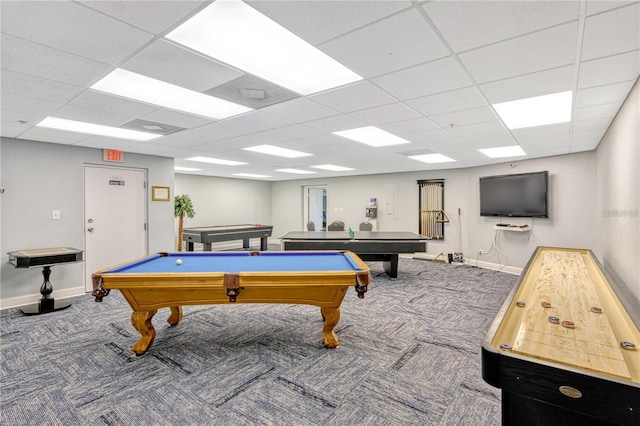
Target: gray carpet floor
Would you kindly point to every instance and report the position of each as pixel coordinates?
(409, 355)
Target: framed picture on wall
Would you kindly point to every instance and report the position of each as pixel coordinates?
(160, 193)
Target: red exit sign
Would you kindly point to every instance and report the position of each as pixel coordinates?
(112, 155)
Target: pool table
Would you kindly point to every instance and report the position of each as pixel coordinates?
(214, 234)
(198, 278)
(563, 348)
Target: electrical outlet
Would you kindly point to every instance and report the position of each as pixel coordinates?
(480, 252)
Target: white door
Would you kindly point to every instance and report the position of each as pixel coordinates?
(315, 206)
(115, 217)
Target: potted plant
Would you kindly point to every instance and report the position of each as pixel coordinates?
(182, 207)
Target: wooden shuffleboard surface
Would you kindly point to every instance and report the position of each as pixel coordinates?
(572, 284)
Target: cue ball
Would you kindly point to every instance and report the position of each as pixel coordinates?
(179, 262)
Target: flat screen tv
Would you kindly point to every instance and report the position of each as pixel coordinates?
(519, 195)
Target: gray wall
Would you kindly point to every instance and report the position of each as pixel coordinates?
(220, 201)
(40, 177)
(618, 194)
(572, 207)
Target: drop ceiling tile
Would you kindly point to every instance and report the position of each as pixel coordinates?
(154, 17)
(176, 118)
(28, 105)
(598, 125)
(42, 134)
(596, 111)
(204, 134)
(399, 41)
(526, 86)
(611, 93)
(613, 32)
(37, 60)
(385, 114)
(464, 117)
(354, 97)
(407, 127)
(477, 129)
(439, 76)
(37, 87)
(72, 28)
(539, 51)
(335, 123)
(256, 121)
(489, 140)
(99, 108)
(318, 21)
(300, 110)
(10, 129)
(447, 102)
(467, 24)
(103, 141)
(543, 134)
(24, 119)
(296, 131)
(613, 69)
(168, 62)
(428, 137)
(596, 6)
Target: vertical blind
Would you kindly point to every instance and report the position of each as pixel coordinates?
(431, 204)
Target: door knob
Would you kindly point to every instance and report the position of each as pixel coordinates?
(90, 229)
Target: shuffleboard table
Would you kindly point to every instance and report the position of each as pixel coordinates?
(197, 278)
(382, 246)
(213, 234)
(563, 348)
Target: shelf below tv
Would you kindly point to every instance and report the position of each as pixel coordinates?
(513, 228)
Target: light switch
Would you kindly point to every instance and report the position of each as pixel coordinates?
(56, 215)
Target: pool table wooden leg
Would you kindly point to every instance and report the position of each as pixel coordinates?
(141, 321)
(331, 317)
(176, 315)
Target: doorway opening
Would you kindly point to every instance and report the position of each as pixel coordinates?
(315, 207)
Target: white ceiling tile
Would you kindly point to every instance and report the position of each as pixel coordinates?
(396, 42)
(168, 62)
(613, 69)
(596, 111)
(73, 28)
(464, 117)
(31, 58)
(37, 87)
(449, 101)
(335, 123)
(526, 86)
(406, 127)
(354, 97)
(318, 21)
(28, 105)
(611, 93)
(539, 51)
(542, 134)
(176, 118)
(153, 16)
(385, 114)
(439, 76)
(109, 143)
(595, 6)
(10, 129)
(296, 131)
(612, 32)
(208, 133)
(300, 110)
(468, 24)
(99, 108)
(477, 129)
(53, 135)
(24, 119)
(599, 125)
(489, 140)
(256, 121)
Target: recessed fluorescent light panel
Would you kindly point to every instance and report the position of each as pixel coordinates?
(332, 168)
(432, 158)
(537, 111)
(502, 152)
(296, 171)
(251, 175)
(277, 151)
(235, 33)
(371, 135)
(216, 161)
(95, 129)
(185, 169)
(138, 87)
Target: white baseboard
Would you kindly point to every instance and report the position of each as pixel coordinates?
(486, 265)
(30, 299)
